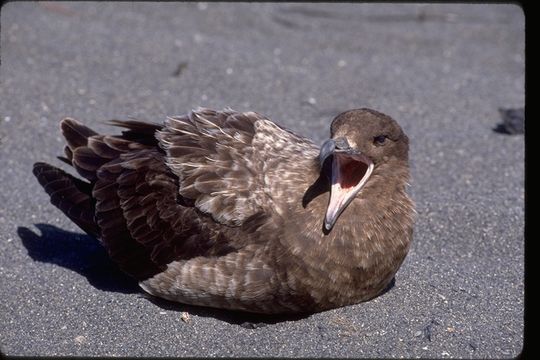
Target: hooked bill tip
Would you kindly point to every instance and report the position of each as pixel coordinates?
(328, 225)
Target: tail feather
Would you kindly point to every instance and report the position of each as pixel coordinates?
(69, 194)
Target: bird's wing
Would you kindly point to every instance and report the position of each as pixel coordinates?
(133, 196)
(234, 165)
(150, 184)
(143, 226)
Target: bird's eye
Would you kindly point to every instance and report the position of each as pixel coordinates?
(379, 140)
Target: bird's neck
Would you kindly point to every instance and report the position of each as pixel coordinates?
(367, 226)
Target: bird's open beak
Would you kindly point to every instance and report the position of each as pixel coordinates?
(350, 169)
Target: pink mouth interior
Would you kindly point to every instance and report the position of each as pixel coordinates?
(351, 171)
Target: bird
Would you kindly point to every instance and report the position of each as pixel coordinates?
(228, 209)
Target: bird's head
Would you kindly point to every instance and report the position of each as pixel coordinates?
(361, 141)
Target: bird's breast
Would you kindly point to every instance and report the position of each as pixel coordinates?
(354, 261)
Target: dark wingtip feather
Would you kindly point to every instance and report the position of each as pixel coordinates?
(42, 171)
(76, 134)
(37, 168)
(65, 160)
(138, 131)
(135, 125)
(69, 154)
(69, 194)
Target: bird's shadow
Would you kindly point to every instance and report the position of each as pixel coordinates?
(86, 256)
(78, 252)
(240, 318)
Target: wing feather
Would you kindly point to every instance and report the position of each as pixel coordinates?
(227, 161)
(164, 193)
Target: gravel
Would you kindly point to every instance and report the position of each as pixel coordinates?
(442, 70)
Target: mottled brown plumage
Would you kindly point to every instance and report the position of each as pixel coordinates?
(229, 210)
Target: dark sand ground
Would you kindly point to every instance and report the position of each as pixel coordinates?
(443, 71)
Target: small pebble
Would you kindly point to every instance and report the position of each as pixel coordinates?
(198, 38)
(513, 121)
(185, 317)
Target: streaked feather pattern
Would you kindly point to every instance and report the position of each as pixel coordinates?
(214, 208)
(226, 180)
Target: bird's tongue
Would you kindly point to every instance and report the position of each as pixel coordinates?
(349, 174)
